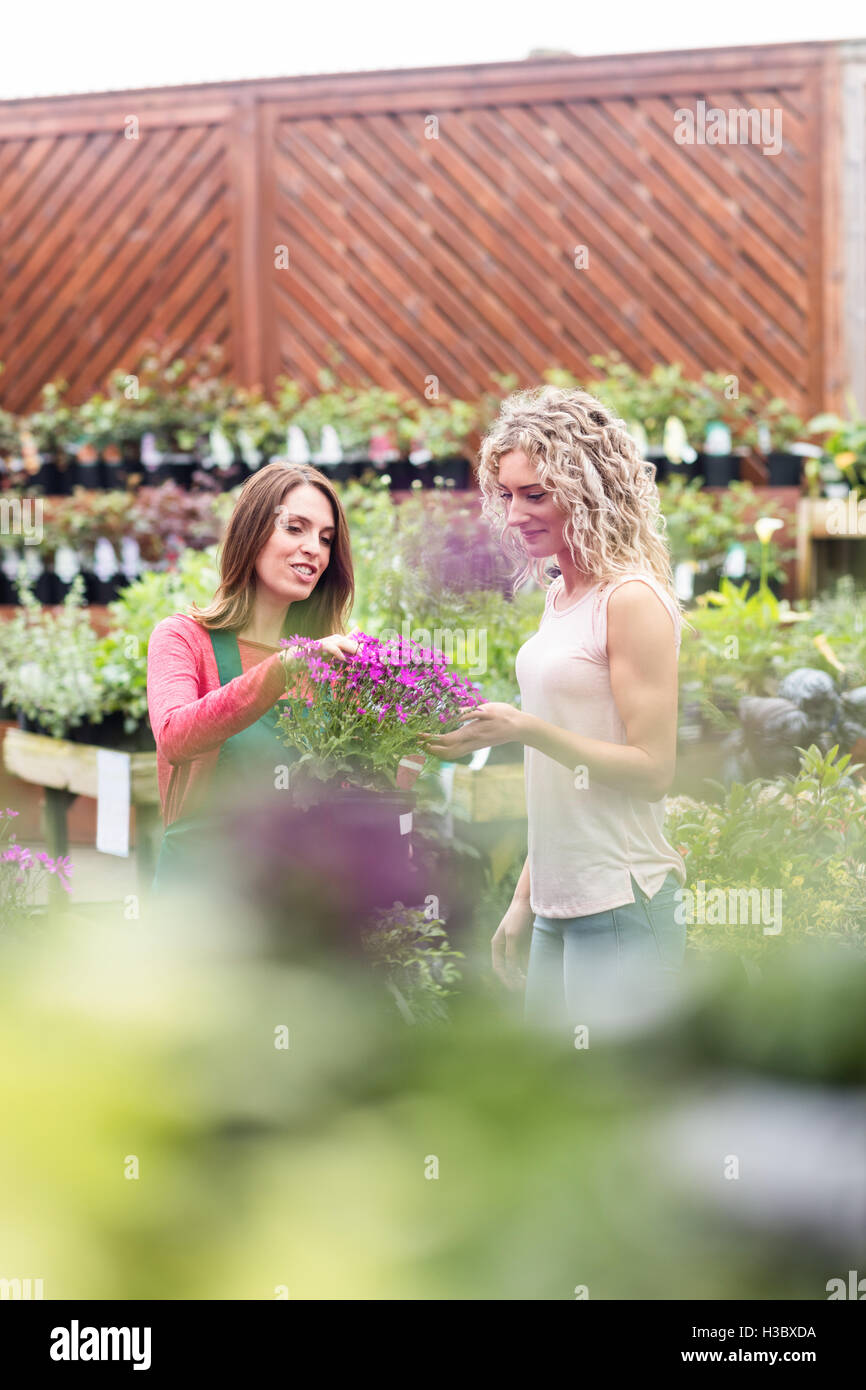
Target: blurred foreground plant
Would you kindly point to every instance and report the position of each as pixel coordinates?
(23, 874)
(419, 965)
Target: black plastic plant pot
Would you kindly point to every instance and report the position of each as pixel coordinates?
(30, 726)
(60, 589)
(179, 469)
(109, 732)
(102, 591)
(130, 450)
(345, 470)
(155, 474)
(47, 475)
(786, 470)
(706, 581)
(66, 475)
(48, 589)
(775, 586)
(401, 472)
(666, 469)
(8, 592)
(720, 470)
(454, 470)
(115, 476)
(90, 475)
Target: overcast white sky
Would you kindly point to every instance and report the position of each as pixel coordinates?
(102, 45)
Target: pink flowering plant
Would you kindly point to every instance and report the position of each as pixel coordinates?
(23, 873)
(353, 721)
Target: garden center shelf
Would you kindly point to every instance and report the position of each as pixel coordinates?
(830, 536)
(66, 770)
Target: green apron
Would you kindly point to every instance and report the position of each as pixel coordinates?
(253, 752)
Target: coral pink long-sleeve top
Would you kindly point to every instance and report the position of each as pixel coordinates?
(192, 715)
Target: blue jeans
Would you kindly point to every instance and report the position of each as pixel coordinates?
(608, 967)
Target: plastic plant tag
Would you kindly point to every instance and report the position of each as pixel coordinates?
(112, 802)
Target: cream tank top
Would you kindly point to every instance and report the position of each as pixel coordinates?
(584, 844)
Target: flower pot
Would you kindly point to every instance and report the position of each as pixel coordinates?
(48, 589)
(65, 475)
(785, 470)
(706, 580)
(31, 726)
(402, 472)
(152, 474)
(719, 470)
(89, 473)
(115, 476)
(102, 591)
(47, 476)
(179, 468)
(343, 471)
(666, 469)
(454, 470)
(109, 732)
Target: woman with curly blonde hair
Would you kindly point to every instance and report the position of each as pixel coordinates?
(596, 902)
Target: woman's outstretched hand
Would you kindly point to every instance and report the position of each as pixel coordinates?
(488, 725)
(337, 646)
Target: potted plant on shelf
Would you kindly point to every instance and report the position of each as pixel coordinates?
(45, 436)
(180, 402)
(724, 429)
(253, 427)
(442, 431)
(667, 412)
(843, 466)
(9, 439)
(700, 533)
(382, 421)
(330, 408)
(775, 433)
(47, 666)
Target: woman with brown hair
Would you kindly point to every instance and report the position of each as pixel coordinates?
(216, 674)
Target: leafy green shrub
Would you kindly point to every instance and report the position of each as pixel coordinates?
(804, 836)
(48, 662)
(744, 643)
(120, 658)
(59, 673)
(419, 965)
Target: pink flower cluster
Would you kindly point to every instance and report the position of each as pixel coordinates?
(398, 678)
(26, 860)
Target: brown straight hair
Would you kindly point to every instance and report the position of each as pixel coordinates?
(327, 608)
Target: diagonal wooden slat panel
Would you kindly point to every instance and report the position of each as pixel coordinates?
(411, 256)
(129, 240)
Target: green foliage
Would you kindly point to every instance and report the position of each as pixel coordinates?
(804, 835)
(420, 967)
(445, 427)
(649, 400)
(57, 671)
(785, 427)
(844, 445)
(744, 643)
(430, 563)
(120, 658)
(702, 526)
(48, 662)
(167, 1033)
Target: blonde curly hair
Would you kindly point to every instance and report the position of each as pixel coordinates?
(586, 458)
